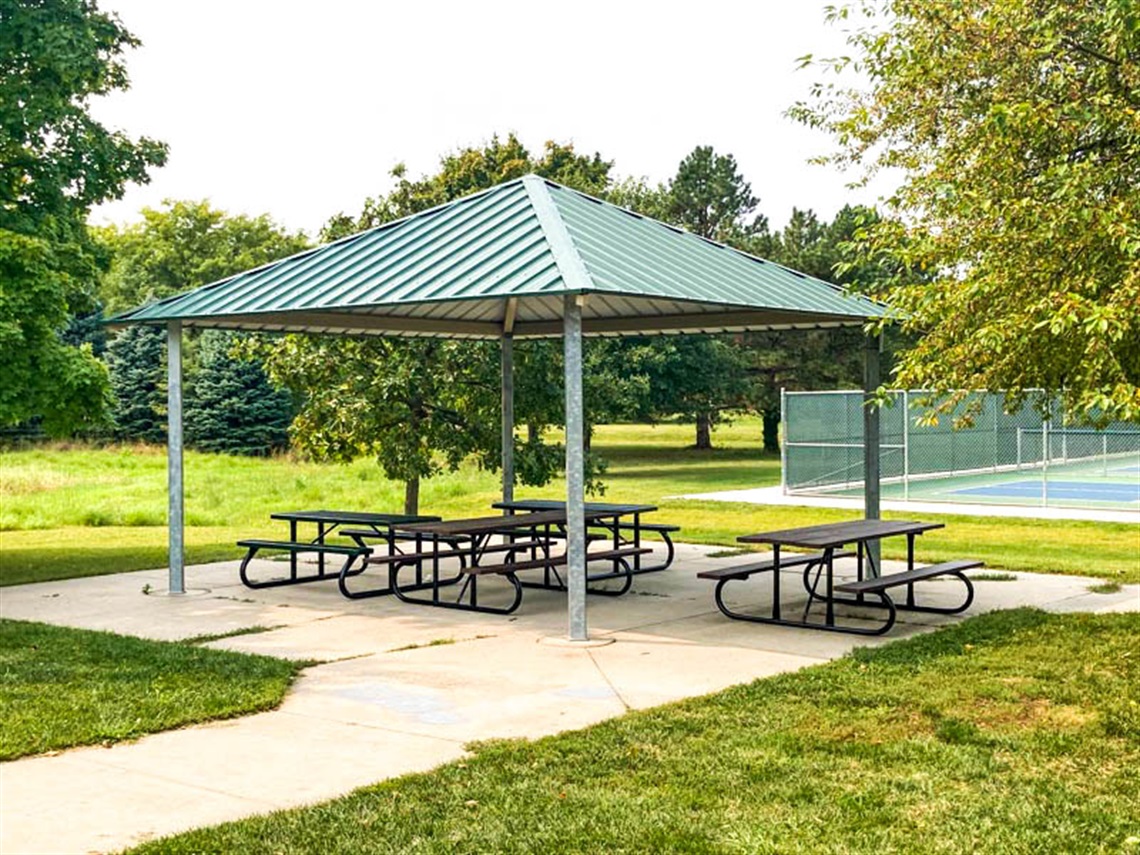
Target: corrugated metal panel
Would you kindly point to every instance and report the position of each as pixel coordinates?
(450, 271)
(634, 255)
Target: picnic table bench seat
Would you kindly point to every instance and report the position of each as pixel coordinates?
(743, 571)
(395, 561)
(467, 599)
(254, 545)
(877, 585)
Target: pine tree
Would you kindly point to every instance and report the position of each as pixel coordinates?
(230, 406)
(136, 359)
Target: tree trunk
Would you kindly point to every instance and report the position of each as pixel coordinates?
(532, 433)
(772, 430)
(412, 497)
(704, 430)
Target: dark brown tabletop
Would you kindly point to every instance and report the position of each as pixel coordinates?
(350, 517)
(485, 525)
(832, 535)
(557, 505)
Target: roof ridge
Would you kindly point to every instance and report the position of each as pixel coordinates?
(575, 274)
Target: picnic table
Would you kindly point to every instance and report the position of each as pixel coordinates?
(615, 525)
(831, 539)
(327, 522)
(526, 540)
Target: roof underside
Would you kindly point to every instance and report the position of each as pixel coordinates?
(502, 261)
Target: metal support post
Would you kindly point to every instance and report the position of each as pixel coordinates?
(506, 353)
(177, 582)
(871, 468)
(575, 468)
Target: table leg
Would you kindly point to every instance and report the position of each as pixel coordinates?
(910, 566)
(293, 555)
(434, 568)
(636, 541)
(828, 560)
(617, 540)
(320, 555)
(775, 581)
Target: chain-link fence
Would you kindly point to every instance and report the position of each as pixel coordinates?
(1025, 457)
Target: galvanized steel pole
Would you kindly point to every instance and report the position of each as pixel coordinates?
(506, 359)
(575, 468)
(177, 583)
(871, 379)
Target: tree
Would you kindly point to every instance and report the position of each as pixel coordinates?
(1014, 126)
(699, 377)
(185, 244)
(811, 359)
(136, 360)
(56, 162)
(422, 405)
(710, 198)
(230, 406)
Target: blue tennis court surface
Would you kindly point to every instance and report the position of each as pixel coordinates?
(1076, 490)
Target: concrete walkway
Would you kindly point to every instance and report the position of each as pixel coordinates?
(404, 688)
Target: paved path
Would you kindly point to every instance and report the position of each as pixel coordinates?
(389, 701)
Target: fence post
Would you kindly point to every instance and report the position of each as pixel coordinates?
(906, 445)
(1045, 463)
(997, 444)
(784, 440)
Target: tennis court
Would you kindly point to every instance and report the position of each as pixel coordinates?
(1003, 458)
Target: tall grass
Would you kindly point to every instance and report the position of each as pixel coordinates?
(74, 510)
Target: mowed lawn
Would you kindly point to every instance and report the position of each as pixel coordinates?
(1013, 732)
(62, 687)
(75, 511)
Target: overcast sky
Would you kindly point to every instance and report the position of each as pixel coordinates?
(300, 110)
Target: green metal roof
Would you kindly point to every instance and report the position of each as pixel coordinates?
(501, 260)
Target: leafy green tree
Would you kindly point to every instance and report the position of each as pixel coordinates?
(709, 197)
(136, 358)
(230, 406)
(418, 406)
(1013, 124)
(469, 170)
(56, 162)
(185, 244)
(698, 377)
(422, 405)
(811, 359)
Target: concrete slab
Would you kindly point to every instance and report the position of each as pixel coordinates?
(405, 687)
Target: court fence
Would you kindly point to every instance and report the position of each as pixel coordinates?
(1026, 457)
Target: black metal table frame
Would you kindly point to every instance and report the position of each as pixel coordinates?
(617, 510)
(474, 551)
(328, 522)
(826, 566)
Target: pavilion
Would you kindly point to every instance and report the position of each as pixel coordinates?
(525, 259)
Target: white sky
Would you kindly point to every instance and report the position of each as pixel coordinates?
(300, 110)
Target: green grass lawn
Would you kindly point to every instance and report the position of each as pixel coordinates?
(68, 512)
(62, 687)
(1014, 732)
